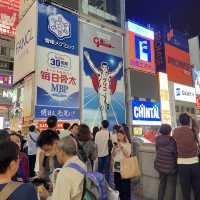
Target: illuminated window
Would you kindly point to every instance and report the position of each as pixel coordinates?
(106, 10)
(3, 51)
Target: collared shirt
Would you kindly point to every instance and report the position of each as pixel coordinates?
(69, 183)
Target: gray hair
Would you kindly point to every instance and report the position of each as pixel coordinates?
(68, 145)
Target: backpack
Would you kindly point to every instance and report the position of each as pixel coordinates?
(10, 188)
(95, 186)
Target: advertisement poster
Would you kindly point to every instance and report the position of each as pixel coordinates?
(164, 98)
(25, 44)
(9, 17)
(57, 29)
(102, 77)
(184, 93)
(141, 48)
(178, 65)
(57, 85)
(146, 113)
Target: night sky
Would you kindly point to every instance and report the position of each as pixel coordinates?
(184, 14)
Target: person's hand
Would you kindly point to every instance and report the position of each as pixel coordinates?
(43, 193)
(189, 114)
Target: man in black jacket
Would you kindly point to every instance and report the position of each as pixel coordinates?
(166, 162)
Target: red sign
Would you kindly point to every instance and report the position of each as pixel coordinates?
(178, 65)
(9, 17)
(198, 102)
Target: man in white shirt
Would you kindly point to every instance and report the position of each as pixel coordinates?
(69, 182)
(101, 140)
(32, 149)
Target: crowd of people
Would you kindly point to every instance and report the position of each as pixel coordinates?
(40, 168)
(53, 165)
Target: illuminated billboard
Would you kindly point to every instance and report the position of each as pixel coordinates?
(178, 65)
(164, 98)
(9, 17)
(141, 48)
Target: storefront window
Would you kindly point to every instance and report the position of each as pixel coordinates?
(106, 10)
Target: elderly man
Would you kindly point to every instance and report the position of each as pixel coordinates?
(69, 182)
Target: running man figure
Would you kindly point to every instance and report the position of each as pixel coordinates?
(104, 84)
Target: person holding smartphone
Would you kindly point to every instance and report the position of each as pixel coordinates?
(121, 150)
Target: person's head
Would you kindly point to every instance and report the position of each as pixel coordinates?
(9, 158)
(67, 148)
(116, 128)
(16, 138)
(32, 128)
(84, 133)
(165, 129)
(4, 135)
(74, 129)
(47, 141)
(105, 124)
(52, 122)
(184, 119)
(121, 136)
(66, 126)
(104, 67)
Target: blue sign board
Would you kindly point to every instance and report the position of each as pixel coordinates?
(146, 113)
(57, 29)
(43, 112)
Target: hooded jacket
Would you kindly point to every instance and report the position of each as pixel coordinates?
(166, 155)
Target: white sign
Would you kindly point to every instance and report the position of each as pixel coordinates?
(25, 45)
(164, 98)
(184, 93)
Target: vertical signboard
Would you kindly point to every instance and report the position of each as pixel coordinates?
(57, 85)
(141, 48)
(25, 44)
(9, 17)
(102, 76)
(164, 98)
(57, 29)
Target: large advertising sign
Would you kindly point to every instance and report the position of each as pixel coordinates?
(184, 93)
(141, 48)
(25, 45)
(164, 98)
(146, 113)
(102, 76)
(178, 65)
(57, 29)
(57, 85)
(9, 17)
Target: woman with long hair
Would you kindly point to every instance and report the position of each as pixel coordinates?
(121, 150)
(87, 149)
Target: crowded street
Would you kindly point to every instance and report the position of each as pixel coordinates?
(99, 100)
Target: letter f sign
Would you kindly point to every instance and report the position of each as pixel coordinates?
(143, 49)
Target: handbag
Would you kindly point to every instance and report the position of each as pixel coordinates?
(129, 167)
